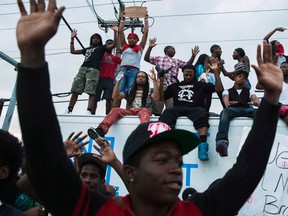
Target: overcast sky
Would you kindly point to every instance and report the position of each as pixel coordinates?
(181, 23)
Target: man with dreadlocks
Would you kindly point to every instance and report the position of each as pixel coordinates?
(139, 101)
(87, 77)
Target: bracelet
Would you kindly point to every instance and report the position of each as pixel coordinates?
(71, 43)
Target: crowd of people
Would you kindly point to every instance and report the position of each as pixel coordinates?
(153, 153)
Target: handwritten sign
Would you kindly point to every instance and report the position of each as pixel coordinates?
(135, 12)
(271, 195)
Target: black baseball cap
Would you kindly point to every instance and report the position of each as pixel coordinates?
(88, 158)
(151, 132)
(245, 73)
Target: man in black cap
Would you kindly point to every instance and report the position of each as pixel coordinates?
(152, 154)
(238, 101)
(92, 171)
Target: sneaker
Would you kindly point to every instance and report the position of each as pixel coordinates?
(203, 151)
(222, 148)
(95, 132)
(67, 112)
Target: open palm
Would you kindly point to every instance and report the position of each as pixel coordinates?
(37, 28)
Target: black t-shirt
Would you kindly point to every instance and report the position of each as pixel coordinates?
(93, 56)
(189, 94)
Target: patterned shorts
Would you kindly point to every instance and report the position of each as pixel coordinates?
(86, 80)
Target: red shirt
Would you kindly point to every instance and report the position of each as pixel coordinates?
(108, 65)
(121, 206)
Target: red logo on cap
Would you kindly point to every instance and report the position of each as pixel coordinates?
(157, 128)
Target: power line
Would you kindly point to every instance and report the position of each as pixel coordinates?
(11, 3)
(61, 24)
(220, 13)
(219, 41)
(176, 15)
(66, 8)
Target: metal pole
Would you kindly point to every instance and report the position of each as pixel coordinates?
(2, 101)
(12, 104)
(67, 24)
(10, 110)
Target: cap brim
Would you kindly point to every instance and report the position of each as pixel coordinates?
(88, 158)
(186, 140)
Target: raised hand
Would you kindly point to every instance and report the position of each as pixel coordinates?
(38, 27)
(213, 63)
(115, 27)
(34, 30)
(109, 157)
(281, 29)
(221, 63)
(269, 76)
(195, 51)
(74, 33)
(152, 42)
(104, 148)
(72, 146)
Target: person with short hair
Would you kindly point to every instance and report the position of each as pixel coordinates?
(243, 64)
(92, 171)
(171, 65)
(216, 53)
(239, 101)
(189, 100)
(153, 153)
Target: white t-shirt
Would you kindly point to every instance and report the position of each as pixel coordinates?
(226, 92)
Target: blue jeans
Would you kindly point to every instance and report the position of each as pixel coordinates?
(129, 78)
(227, 115)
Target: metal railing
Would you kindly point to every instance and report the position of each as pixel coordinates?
(12, 104)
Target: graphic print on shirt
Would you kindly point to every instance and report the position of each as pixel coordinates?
(88, 53)
(108, 60)
(137, 103)
(186, 93)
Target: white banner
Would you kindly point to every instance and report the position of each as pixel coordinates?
(271, 195)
